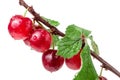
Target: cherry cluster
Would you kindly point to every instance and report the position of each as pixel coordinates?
(40, 40)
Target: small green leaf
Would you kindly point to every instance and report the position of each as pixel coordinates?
(94, 45)
(87, 71)
(52, 22)
(75, 32)
(68, 47)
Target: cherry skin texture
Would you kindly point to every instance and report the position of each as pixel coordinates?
(51, 61)
(102, 78)
(40, 40)
(74, 63)
(19, 27)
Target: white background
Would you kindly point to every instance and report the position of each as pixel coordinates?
(102, 17)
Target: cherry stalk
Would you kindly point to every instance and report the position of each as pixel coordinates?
(55, 31)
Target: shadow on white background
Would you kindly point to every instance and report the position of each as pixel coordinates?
(102, 17)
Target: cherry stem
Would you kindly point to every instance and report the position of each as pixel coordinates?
(26, 11)
(55, 31)
(53, 43)
(101, 71)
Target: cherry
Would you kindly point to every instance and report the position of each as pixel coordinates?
(40, 40)
(102, 78)
(19, 27)
(27, 40)
(51, 61)
(74, 63)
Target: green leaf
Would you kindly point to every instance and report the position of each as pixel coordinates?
(75, 32)
(68, 47)
(94, 45)
(52, 22)
(87, 71)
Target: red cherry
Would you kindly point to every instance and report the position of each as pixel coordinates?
(102, 78)
(27, 40)
(74, 63)
(40, 40)
(19, 27)
(51, 61)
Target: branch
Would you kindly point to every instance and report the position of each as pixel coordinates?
(55, 31)
(38, 18)
(105, 64)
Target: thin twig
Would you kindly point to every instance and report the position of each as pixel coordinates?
(55, 31)
(38, 18)
(105, 64)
